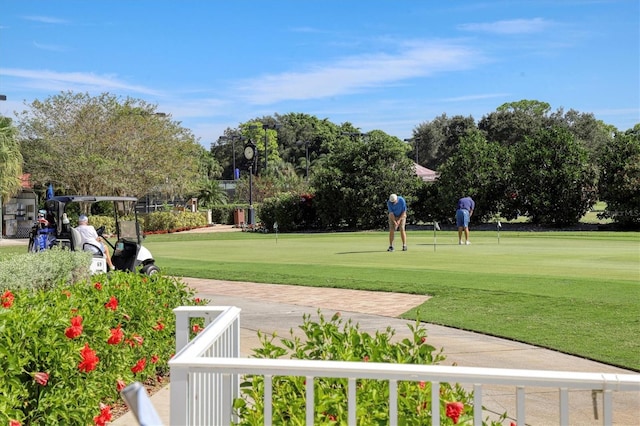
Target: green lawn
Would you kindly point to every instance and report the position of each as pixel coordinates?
(577, 292)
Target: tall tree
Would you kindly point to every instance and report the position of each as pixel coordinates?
(436, 140)
(552, 179)
(619, 182)
(512, 121)
(591, 133)
(357, 177)
(10, 160)
(478, 168)
(104, 146)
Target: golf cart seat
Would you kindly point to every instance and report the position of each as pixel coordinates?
(76, 239)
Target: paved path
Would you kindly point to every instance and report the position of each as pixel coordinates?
(279, 308)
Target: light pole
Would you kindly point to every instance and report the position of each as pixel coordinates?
(414, 142)
(265, 127)
(306, 149)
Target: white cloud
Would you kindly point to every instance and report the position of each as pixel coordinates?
(50, 47)
(46, 19)
(358, 73)
(514, 26)
(76, 81)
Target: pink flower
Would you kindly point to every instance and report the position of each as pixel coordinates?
(41, 378)
(120, 384)
(7, 299)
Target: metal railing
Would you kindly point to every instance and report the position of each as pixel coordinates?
(205, 377)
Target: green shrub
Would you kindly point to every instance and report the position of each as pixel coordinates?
(43, 335)
(37, 271)
(108, 222)
(172, 221)
(293, 212)
(333, 340)
(223, 214)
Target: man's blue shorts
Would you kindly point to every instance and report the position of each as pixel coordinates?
(462, 218)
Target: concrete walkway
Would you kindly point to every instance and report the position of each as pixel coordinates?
(279, 308)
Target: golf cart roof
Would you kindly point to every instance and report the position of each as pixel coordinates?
(89, 198)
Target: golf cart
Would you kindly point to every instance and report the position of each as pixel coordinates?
(128, 254)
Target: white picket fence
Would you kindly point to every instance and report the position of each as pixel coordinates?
(205, 376)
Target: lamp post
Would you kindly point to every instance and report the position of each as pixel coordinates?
(250, 156)
(265, 127)
(306, 149)
(414, 142)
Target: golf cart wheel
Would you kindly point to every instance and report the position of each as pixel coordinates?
(150, 269)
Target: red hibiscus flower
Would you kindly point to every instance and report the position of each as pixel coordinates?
(120, 384)
(98, 286)
(14, 423)
(197, 300)
(116, 336)
(103, 417)
(154, 359)
(76, 328)
(112, 303)
(159, 326)
(196, 328)
(66, 293)
(454, 410)
(7, 299)
(41, 378)
(138, 339)
(366, 358)
(139, 366)
(89, 359)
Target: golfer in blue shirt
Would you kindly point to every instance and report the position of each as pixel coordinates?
(397, 208)
(463, 214)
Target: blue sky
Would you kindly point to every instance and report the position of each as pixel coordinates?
(388, 65)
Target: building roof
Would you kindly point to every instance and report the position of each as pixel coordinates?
(427, 175)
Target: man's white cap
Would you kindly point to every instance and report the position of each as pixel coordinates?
(393, 198)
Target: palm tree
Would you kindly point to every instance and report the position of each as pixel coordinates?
(211, 193)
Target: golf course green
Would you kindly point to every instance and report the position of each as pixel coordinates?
(575, 292)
